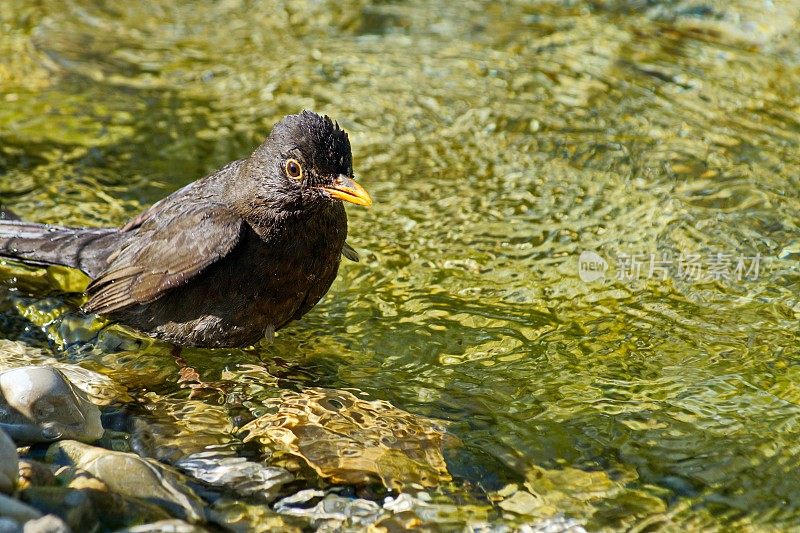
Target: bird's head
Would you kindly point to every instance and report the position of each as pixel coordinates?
(305, 163)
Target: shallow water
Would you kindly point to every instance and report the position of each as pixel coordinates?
(499, 143)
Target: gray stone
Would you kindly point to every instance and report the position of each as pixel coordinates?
(74, 506)
(130, 475)
(522, 502)
(164, 526)
(39, 404)
(101, 389)
(9, 463)
(758, 23)
(16, 510)
(556, 524)
(246, 478)
(331, 507)
(47, 524)
(7, 525)
(87, 503)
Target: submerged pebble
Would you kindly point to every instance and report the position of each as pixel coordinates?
(128, 474)
(9, 461)
(352, 440)
(245, 477)
(557, 524)
(325, 507)
(240, 516)
(89, 506)
(47, 524)
(39, 404)
(164, 526)
(17, 510)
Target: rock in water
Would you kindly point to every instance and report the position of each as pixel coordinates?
(236, 474)
(164, 526)
(130, 475)
(351, 440)
(46, 524)
(9, 464)
(39, 404)
(91, 507)
(16, 510)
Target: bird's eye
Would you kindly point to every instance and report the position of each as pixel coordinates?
(293, 169)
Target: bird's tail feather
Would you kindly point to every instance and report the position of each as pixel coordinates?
(43, 244)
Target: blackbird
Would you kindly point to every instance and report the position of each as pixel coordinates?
(226, 260)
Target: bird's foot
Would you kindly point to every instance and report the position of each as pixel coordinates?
(188, 374)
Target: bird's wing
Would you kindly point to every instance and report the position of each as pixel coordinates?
(171, 202)
(164, 252)
(349, 252)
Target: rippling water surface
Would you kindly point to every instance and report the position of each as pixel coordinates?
(499, 141)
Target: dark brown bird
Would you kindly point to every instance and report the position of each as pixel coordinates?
(226, 260)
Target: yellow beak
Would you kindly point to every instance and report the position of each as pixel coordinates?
(348, 190)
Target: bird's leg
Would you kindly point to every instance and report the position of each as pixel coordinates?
(186, 372)
(189, 377)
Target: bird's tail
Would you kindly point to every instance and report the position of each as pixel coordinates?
(43, 244)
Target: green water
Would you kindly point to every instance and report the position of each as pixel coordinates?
(499, 141)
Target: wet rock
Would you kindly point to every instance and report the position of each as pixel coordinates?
(75, 507)
(548, 495)
(100, 389)
(411, 511)
(87, 506)
(164, 526)
(568, 490)
(558, 524)
(351, 440)
(40, 405)
(162, 433)
(8, 525)
(46, 524)
(118, 441)
(334, 510)
(76, 478)
(403, 521)
(317, 506)
(243, 517)
(522, 502)
(753, 22)
(114, 509)
(17, 510)
(9, 460)
(244, 477)
(35, 474)
(130, 475)
(14, 354)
